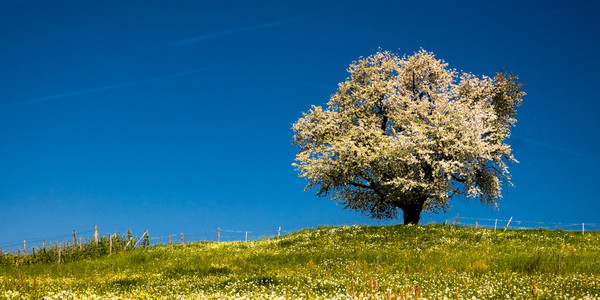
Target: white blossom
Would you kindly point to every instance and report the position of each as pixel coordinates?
(409, 133)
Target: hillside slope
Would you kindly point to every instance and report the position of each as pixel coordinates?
(379, 262)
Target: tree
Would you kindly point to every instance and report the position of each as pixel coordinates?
(409, 134)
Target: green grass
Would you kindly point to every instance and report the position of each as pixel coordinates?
(372, 262)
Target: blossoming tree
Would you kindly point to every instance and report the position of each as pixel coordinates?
(409, 134)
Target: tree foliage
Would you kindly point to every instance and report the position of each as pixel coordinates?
(409, 133)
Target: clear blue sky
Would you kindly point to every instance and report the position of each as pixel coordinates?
(175, 116)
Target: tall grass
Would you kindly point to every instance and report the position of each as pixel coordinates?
(70, 252)
(394, 262)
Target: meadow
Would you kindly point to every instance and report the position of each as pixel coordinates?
(356, 262)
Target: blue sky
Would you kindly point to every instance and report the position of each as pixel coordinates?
(175, 116)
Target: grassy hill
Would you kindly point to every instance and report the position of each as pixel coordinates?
(364, 262)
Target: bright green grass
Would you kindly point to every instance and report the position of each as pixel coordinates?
(364, 262)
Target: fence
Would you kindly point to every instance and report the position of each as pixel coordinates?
(77, 239)
(216, 235)
(520, 224)
(228, 235)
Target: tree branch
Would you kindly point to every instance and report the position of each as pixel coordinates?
(455, 192)
(384, 123)
(458, 179)
(356, 184)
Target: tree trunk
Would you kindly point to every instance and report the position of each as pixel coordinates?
(412, 215)
(412, 211)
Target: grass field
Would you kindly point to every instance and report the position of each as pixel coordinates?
(358, 262)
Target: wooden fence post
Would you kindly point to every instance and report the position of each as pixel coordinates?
(129, 238)
(74, 238)
(145, 232)
(170, 239)
(110, 237)
(559, 263)
(96, 235)
(582, 228)
(44, 244)
(219, 235)
(182, 238)
(475, 224)
(24, 251)
(59, 248)
(496, 223)
(279, 232)
(507, 224)
(456, 221)
(246, 236)
(81, 243)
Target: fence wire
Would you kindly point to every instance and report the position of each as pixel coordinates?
(232, 235)
(520, 224)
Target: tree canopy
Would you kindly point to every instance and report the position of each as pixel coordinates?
(408, 133)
